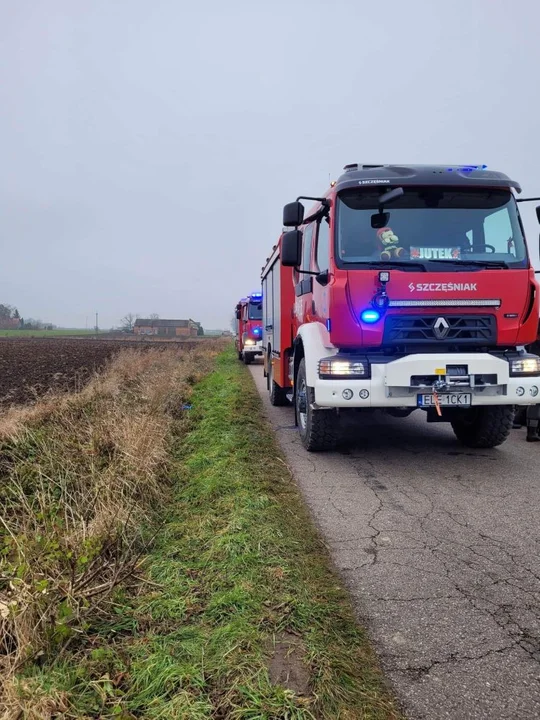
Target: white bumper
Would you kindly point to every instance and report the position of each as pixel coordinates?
(254, 349)
(390, 383)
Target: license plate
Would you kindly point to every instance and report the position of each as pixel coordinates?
(459, 400)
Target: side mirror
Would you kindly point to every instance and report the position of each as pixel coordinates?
(538, 212)
(291, 248)
(293, 214)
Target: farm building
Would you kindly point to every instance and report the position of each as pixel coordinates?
(166, 328)
(10, 323)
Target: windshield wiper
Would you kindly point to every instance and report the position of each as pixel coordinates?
(474, 263)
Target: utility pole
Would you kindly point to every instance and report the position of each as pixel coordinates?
(97, 326)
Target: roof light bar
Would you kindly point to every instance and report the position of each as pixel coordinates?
(446, 303)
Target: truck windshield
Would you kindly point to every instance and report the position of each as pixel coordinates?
(255, 311)
(462, 227)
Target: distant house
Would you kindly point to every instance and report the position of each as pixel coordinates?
(7, 323)
(166, 328)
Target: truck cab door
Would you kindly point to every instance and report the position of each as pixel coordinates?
(303, 284)
(321, 263)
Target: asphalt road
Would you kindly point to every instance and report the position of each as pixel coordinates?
(439, 547)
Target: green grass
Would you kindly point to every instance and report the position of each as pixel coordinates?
(236, 565)
(59, 332)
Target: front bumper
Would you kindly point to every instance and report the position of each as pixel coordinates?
(391, 385)
(254, 349)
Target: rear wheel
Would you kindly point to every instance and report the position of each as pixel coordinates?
(278, 395)
(484, 427)
(318, 428)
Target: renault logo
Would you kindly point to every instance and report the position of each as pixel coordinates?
(441, 328)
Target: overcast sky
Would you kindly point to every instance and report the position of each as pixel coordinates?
(147, 146)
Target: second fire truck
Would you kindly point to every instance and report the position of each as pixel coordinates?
(248, 313)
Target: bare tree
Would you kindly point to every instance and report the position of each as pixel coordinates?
(8, 311)
(32, 324)
(153, 316)
(127, 323)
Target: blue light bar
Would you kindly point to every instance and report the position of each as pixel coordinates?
(468, 168)
(256, 296)
(370, 316)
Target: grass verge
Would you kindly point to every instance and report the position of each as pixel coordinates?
(240, 616)
(83, 479)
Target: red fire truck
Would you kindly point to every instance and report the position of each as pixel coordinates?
(248, 314)
(406, 287)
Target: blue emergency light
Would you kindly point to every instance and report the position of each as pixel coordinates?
(468, 168)
(370, 316)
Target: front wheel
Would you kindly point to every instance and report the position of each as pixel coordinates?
(484, 427)
(318, 428)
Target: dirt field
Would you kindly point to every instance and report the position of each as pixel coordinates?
(31, 366)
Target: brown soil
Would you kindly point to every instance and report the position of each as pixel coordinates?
(29, 367)
(286, 665)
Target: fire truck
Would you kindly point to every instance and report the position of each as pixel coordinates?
(404, 288)
(248, 313)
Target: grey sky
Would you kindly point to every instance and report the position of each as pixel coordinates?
(147, 146)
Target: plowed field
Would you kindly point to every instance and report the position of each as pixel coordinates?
(29, 367)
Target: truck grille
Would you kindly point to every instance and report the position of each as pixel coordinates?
(440, 329)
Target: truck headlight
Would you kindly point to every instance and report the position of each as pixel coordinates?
(338, 367)
(525, 365)
(249, 341)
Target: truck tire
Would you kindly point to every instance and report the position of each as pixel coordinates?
(248, 358)
(278, 395)
(484, 427)
(318, 428)
(240, 355)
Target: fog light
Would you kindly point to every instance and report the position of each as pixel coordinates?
(534, 391)
(364, 394)
(520, 391)
(347, 394)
